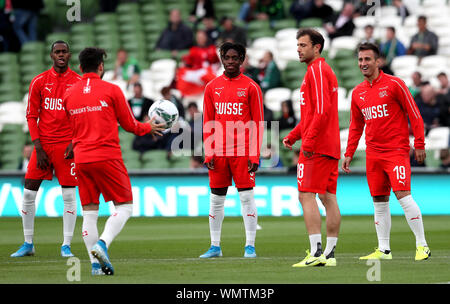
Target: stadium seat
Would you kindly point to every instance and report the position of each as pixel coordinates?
(274, 97)
(265, 43)
(404, 62)
(438, 138)
(311, 22)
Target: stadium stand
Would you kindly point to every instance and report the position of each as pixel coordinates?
(136, 25)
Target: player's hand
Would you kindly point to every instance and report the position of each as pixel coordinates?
(68, 154)
(420, 155)
(210, 164)
(156, 128)
(42, 159)
(287, 143)
(308, 154)
(346, 164)
(252, 167)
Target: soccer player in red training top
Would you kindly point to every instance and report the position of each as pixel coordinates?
(233, 126)
(383, 104)
(94, 107)
(51, 134)
(317, 168)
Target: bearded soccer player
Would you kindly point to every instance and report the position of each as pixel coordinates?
(94, 108)
(317, 168)
(382, 104)
(51, 134)
(233, 126)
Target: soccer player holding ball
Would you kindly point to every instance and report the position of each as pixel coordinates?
(382, 104)
(51, 135)
(94, 108)
(317, 168)
(233, 126)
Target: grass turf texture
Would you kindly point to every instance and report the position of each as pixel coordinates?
(166, 250)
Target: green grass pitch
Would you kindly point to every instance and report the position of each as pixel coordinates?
(166, 250)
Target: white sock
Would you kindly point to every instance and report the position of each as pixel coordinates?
(414, 219)
(250, 215)
(216, 215)
(315, 241)
(115, 223)
(382, 217)
(331, 244)
(28, 213)
(70, 214)
(90, 231)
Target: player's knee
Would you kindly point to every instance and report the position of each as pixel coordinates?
(219, 191)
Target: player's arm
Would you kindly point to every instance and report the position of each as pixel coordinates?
(126, 118)
(208, 127)
(355, 131)
(407, 102)
(292, 137)
(257, 114)
(32, 115)
(321, 98)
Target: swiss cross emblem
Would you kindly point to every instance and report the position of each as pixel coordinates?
(87, 89)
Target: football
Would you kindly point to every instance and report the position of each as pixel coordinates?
(164, 111)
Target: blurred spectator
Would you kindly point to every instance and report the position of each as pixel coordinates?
(248, 10)
(445, 86)
(392, 47)
(211, 29)
(202, 9)
(108, 6)
(293, 167)
(270, 158)
(272, 10)
(200, 66)
(402, 10)
(26, 155)
(362, 7)
(26, 15)
(126, 68)
(321, 10)
(197, 162)
(425, 42)
(177, 36)
(166, 93)
(195, 122)
(249, 70)
(368, 35)
(268, 116)
(414, 89)
(8, 39)
(269, 76)
(140, 104)
(428, 106)
(287, 119)
(301, 9)
(444, 156)
(342, 24)
(231, 32)
(383, 65)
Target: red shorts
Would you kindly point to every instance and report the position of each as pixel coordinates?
(384, 174)
(64, 168)
(317, 174)
(231, 167)
(109, 178)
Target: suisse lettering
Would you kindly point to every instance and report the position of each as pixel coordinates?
(228, 108)
(375, 112)
(53, 104)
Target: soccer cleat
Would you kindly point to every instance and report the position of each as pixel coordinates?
(378, 255)
(26, 249)
(100, 252)
(249, 252)
(330, 260)
(65, 251)
(422, 253)
(317, 260)
(97, 270)
(213, 251)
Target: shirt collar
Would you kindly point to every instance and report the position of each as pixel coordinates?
(316, 60)
(56, 74)
(91, 75)
(376, 80)
(235, 78)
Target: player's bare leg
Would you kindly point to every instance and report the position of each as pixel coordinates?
(414, 218)
(333, 222)
(313, 220)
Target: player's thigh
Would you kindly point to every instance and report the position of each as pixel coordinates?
(35, 173)
(239, 169)
(115, 185)
(87, 186)
(220, 176)
(317, 174)
(64, 168)
(377, 178)
(399, 170)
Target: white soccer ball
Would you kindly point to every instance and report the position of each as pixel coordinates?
(164, 111)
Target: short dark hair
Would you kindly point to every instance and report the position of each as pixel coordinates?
(91, 58)
(239, 48)
(58, 42)
(366, 46)
(422, 17)
(391, 28)
(315, 36)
